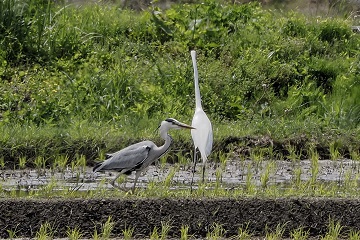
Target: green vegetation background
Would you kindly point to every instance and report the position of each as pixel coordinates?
(88, 79)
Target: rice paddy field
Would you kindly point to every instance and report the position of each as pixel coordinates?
(279, 81)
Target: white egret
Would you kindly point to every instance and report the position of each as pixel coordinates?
(202, 135)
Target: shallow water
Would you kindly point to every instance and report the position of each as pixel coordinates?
(234, 174)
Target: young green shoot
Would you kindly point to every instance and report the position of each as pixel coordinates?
(107, 227)
(243, 233)
(2, 162)
(165, 228)
(292, 155)
(154, 234)
(277, 234)
(45, 232)
(60, 162)
(297, 177)
(334, 231)
(12, 233)
(354, 235)
(168, 180)
(40, 164)
(334, 151)
(22, 162)
(299, 234)
(257, 156)
(249, 185)
(217, 232)
(74, 234)
(265, 176)
(128, 233)
(184, 232)
(314, 160)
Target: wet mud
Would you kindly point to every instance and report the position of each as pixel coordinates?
(257, 215)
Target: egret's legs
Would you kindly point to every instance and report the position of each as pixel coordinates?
(193, 172)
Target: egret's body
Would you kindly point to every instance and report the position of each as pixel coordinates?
(202, 135)
(139, 156)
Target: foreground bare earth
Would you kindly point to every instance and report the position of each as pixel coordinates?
(26, 216)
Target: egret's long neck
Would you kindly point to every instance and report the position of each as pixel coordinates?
(196, 79)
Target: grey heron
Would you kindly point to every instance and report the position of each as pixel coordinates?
(139, 156)
(202, 133)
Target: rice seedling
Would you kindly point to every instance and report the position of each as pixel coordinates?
(40, 164)
(334, 230)
(182, 160)
(297, 176)
(314, 160)
(74, 234)
(165, 228)
(22, 162)
(201, 190)
(2, 162)
(218, 175)
(334, 151)
(257, 156)
(217, 232)
(128, 233)
(299, 234)
(107, 228)
(354, 235)
(277, 234)
(45, 232)
(60, 162)
(250, 186)
(154, 235)
(170, 176)
(355, 155)
(12, 233)
(96, 235)
(49, 188)
(223, 159)
(184, 232)
(243, 233)
(347, 181)
(265, 176)
(292, 155)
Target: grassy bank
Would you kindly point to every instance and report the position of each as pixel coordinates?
(84, 80)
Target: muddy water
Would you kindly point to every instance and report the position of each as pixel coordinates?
(232, 174)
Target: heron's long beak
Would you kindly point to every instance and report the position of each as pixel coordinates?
(183, 125)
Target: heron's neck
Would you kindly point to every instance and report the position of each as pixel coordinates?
(168, 140)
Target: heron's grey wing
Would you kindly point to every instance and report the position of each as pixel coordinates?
(129, 157)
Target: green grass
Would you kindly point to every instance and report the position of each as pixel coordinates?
(92, 79)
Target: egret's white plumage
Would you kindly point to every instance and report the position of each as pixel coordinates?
(202, 135)
(140, 155)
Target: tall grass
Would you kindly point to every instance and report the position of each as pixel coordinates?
(66, 69)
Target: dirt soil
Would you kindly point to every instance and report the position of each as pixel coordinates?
(26, 216)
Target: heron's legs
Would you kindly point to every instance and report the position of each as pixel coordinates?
(117, 185)
(137, 175)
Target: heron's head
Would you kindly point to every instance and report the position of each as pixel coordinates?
(171, 123)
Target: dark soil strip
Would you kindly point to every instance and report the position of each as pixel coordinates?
(26, 216)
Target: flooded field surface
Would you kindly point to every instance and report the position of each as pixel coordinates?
(231, 175)
(202, 215)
